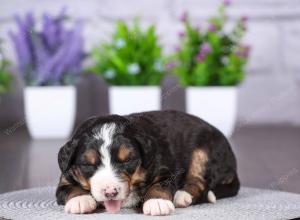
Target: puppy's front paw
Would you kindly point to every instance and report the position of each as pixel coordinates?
(81, 204)
(158, 207)
(182, 199)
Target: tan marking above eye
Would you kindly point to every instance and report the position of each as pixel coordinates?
(91, 156)
(124, 152)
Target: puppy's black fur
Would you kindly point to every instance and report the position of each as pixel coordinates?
(172, 150)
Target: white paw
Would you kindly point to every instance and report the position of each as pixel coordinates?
(158, 207)
(182, 199)
(81, 204)
(211, 197)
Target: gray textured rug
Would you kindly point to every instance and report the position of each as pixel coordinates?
(39, 203)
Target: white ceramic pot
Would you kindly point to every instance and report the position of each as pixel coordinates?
(216, 105)
(50, 111)
(130, 99)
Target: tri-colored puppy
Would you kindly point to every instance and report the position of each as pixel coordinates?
(153, 160)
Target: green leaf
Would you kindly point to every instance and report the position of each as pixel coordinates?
(139, 47)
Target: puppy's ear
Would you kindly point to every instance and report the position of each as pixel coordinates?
(66, 154)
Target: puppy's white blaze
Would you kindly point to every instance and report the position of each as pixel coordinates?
(211, 197)
(106, 175)
(106, 134)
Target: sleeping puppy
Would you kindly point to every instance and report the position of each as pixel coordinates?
(155, 161)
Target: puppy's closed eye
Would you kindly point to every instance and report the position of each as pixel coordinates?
(87, 165)
(132, 160)
(124, 153)
(91, 157)
(129, 164)
(87, 168)
(129, 159)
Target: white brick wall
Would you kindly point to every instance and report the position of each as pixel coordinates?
(264, 38)
(274, 33)
(291, 45)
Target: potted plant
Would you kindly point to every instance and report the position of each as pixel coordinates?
(210, 64)
(49, 62)
(132, 65)
(5, 76)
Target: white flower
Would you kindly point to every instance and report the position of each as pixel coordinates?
(158, 66)
(120, 43)
(133, 68)
(109, 74)
(225, 60)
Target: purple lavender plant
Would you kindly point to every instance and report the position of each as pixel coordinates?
(51, 56)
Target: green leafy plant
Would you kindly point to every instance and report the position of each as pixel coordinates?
(132, 58)
(210, 57)
(5, 76)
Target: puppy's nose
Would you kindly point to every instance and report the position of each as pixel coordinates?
(111, 192)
